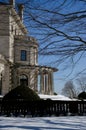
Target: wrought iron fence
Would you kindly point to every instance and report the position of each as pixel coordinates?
(42, 108)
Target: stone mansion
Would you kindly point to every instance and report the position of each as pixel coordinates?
(19, 54)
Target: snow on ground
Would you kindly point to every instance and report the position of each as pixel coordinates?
(43, 123)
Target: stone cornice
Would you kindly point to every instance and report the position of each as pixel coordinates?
(26, 39)
(36, 66)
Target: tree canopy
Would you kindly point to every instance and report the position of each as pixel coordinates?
(60, 27)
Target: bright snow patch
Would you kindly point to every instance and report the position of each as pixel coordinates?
(1, 96)
(54, 97)
(43, 123)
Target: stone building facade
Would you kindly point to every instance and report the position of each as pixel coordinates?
(19, 54)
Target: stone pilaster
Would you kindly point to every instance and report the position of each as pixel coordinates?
(42, 83)
(51, 82)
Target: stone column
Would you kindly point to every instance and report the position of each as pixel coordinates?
(42, 82)
(52, 85)
(50, 82)
(46, 83)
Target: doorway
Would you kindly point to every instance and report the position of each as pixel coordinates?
(24, 80)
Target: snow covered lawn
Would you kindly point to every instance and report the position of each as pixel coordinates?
(43, 123)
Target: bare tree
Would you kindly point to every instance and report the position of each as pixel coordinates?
(69, 90)
(82, 83)
(61, 30)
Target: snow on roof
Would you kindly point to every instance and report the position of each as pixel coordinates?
(1, 96)
(54, 97)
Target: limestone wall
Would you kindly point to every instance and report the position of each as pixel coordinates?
(4, 20)
(31, 52)
(6, 86)
(10, 25)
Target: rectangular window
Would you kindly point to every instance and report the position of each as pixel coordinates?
(23, 55)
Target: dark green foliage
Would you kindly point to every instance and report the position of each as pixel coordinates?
(82, 95)
(55, 93)
(21, 92)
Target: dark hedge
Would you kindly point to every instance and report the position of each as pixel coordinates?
(82, 95)
(21, 92)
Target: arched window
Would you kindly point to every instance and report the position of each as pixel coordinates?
(24, 80)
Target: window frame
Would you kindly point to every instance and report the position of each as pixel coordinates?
(23, 55)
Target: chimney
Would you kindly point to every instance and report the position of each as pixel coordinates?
(20, 10)
(12, 2)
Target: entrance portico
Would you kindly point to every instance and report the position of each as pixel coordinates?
(34, 75)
